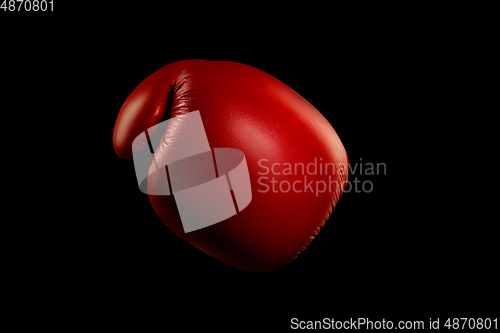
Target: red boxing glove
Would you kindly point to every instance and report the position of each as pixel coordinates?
(297, 164)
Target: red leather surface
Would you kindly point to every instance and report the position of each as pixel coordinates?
(247, 109)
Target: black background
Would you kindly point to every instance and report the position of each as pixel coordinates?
(403, 251)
